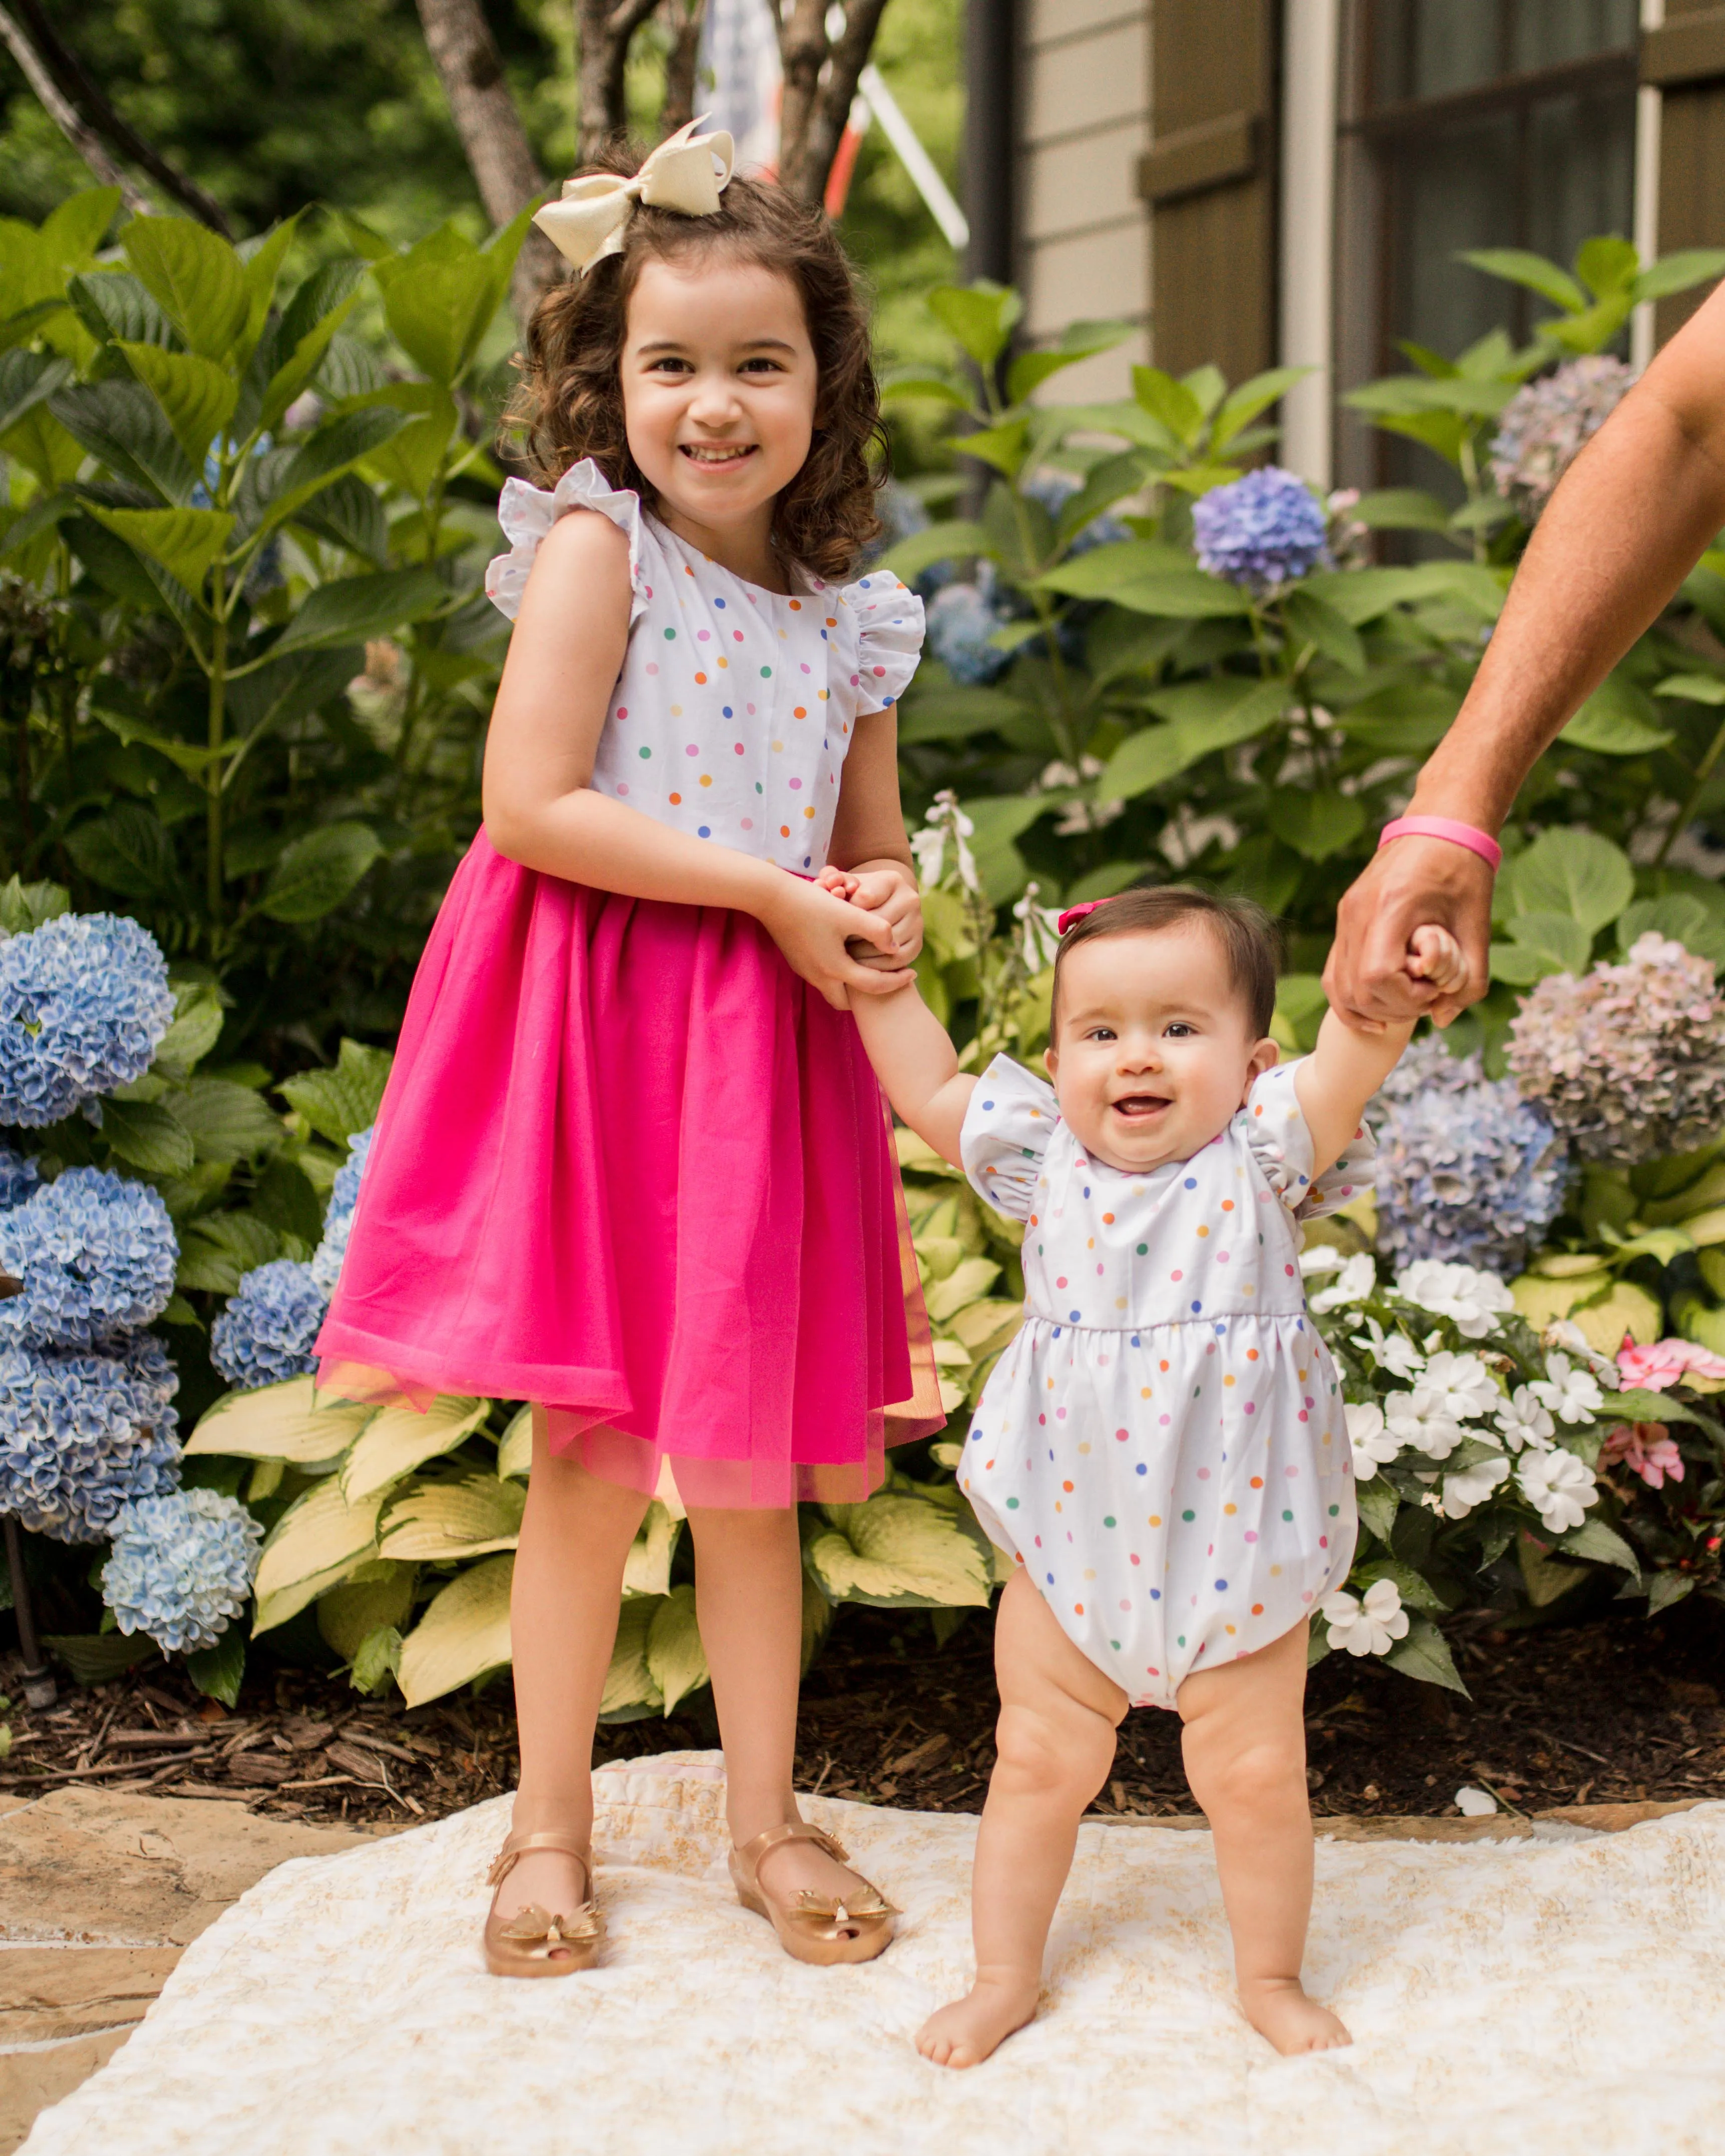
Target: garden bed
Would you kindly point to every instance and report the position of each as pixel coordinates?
(1606, 1711)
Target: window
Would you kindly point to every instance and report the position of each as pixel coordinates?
(1469, 124)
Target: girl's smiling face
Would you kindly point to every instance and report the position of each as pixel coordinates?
(720, 391)
(1155, 1051)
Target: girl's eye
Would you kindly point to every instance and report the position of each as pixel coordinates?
(762, 365)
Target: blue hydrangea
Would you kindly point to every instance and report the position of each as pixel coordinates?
(1468, 1172)
(961, 618)
(265, 1333)
(96, 1255)
(338, 1221)
(18, 1177)
(81, 1435)
(84, 1001)
(1054, 490)
(182, 1567)
(1262, 531)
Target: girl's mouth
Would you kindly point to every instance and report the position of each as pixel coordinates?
(1140, 1107)
(716, 456)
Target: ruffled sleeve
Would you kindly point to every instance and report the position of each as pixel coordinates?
(1006, 1128)
(526, 513)
(1281, 1142)
(889, 626)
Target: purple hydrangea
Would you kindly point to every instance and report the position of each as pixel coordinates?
(1544, 427)
(1264, 531)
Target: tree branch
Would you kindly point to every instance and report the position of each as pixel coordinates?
(606, 32)
(498, 155)
(820, 79)
(684, 18)
(75, 79)
(83, 139)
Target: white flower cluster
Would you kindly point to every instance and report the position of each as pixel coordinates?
(1446, 1403)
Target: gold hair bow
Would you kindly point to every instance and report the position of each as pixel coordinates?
(687, 172)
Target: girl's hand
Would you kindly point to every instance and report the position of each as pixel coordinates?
(812, 926)
(889, 890)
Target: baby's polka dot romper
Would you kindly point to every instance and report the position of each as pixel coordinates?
(1163, 1445)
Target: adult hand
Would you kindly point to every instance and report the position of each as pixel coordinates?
(1411, 884)
(812, 925)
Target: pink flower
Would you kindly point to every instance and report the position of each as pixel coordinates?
(1660, 1366)
(1647, 1449)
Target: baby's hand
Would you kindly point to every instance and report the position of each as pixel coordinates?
(901, 906)
(841, 884)
(1435, 956)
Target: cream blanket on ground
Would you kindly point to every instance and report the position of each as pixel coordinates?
(1541, 1996)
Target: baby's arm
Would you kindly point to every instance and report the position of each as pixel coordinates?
(916, 1062)
(1348, 1066)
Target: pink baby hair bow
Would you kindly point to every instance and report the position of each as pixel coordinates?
(1074, 914)
(687, 172)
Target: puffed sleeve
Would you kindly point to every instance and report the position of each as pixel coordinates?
(889, 638)
(1281, 1142)
(526, 513)
(1006, 1128)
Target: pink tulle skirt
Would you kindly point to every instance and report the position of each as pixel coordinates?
(631, 1168)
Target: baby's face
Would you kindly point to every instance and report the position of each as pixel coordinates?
(1155, 1052)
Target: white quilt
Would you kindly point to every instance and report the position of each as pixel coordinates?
(1537, 1997)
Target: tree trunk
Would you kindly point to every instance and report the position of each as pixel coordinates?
(820, 79)
(683, 18)
(606, 29)
(498, 155)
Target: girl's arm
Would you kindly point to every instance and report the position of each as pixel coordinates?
(1334, 1083)
(540, 807)
(916, 1062)
(869, 842)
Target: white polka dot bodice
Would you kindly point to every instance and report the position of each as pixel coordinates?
(1163, 1445)
(735, 706)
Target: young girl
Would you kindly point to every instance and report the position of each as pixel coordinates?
(1161, 1448)
(632, 1164)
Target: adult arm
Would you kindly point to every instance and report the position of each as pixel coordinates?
(1622, 530)
(540, 806)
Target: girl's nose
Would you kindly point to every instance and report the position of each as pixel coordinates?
(714, 402)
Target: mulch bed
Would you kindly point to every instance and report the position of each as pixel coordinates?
(1609, 1710)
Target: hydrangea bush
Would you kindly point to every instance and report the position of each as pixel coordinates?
(181, 1568)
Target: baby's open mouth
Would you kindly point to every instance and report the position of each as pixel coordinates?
(718, 456)
(1140, 1107)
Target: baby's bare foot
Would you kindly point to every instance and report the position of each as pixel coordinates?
(965, 2033)
(1278, 2008)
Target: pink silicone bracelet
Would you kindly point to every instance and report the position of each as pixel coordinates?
(1444, 826)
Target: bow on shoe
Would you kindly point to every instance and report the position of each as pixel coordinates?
(823, 1913)
(687, 172)
(586, 1928)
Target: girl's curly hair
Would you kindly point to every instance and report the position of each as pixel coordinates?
(569, 403)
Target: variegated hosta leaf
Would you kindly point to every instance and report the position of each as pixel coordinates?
(920, 1158)
(675, 1659)
(946, 1453)
(463, 1633)
(963, 1285)
(948, 1355)
(648, 1568)
(939, 1256)
(316, 1542)
(898, 1553)
(630, 1691)
(515, 1454)
(395, 1441)
(984, 1326)
(952, 1392)
(347, 1614)
(279, 1422)
(445, 1520)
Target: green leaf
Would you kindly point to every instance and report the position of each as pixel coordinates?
(915, 383)
(1400, 509)
(314, 1544)
(1243, 405)
(113, 305)
(1607, 265)
(128, 850)
(1425, 1653)
(377, 1655)
(1679, 273)
(378, 1597)
(348, 512)
(195, 275)
(955, 714)
(629, 1691)
(147, 1136)
(414, 457)
(120, 424)
(1131, 573)
(941, 542)
(1663, 1590)
(275, 486)
(295, 349)
(197, 1027)
(95, 1658)
(1693, 688)
(227, 1122)
(464, 1632)
(353, 609)
(1172, 405)
(318, 871)
(981, 316)
(676, 1662)
(1204, 717)
(1314, 621)
(26, 906)
(1107, 483)
(1638, 1404)
(1568, 869)
(1617, 720)
(898, 1553)
(184, 542)
(1003, 446)
(1517, 266)
(1680, 915)
(278, 1422)
(339, 1104)
(1079, 340)
(217, 1671)
(1557, 936)
(196, 397)
(1316, 825)
(1364, 595)
(1600, 1545)
(1378, 1505)
(27, 379)
(439, 299)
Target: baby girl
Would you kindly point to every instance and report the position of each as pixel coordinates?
(1161, 1448)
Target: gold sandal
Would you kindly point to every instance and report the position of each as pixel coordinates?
(533, 1943)
(815, 1927)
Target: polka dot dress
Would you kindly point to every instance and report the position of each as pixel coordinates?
(1163, 1445)
(735, 706)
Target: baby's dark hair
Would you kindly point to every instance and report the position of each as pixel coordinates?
(569, 403)
(1250, 947)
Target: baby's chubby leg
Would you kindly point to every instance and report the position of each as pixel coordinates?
(1244, 1745)
(1053, 1746)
